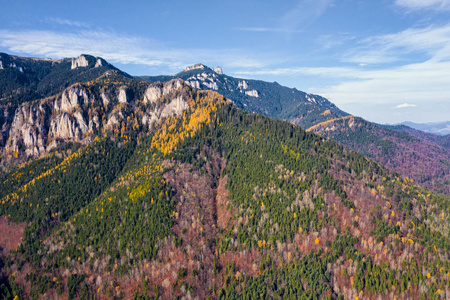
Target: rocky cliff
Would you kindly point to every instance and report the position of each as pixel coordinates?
(81, 112)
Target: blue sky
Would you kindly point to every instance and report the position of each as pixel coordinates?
(385, 60)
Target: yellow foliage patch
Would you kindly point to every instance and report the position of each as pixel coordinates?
(167, 139)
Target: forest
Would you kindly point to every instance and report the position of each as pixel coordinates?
(218, 203)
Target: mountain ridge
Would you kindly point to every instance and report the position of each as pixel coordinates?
(440, 128)
(312, 112)
(258, 96)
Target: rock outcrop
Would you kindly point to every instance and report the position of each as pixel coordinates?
(80, 61)
(72, 97)
(195, 67)
(33, 129)
(123, 97)
(157, 90)
(84, 61)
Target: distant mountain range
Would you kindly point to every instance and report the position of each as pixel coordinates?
(441, 128)
(117, 188)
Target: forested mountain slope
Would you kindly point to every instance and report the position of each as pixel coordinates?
(421, 156)
(443, 140)
(187, 196)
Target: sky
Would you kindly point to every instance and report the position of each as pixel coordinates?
(387, 61)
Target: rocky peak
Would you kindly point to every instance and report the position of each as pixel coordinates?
(84, 60)
(198, 66)
(218, 70)
(80, 61)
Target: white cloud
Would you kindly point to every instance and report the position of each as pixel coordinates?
(118, 48)
(424, 4)
(419, 83)
(431, 41)
(405, 105)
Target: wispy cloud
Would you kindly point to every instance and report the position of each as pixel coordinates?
(117, 48)
(304, 13)
(405, 105)
(61, 21)
(424, 4)
(296, 19)
(331, 41)
(431, 41)
(266, 29)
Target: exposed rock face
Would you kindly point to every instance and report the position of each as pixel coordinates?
(1, 65)
(105, 100)
(34, 128)
(194, 67)
(152, 94)
(80, 61)
(204, 80)
(175, 107)
(99, 63)
(243, 85)
(123, 97)
(252, 93)
(73, 97)
(28, 130)
(218, 70)
(155, 91)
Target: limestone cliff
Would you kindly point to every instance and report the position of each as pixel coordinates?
(33, 129)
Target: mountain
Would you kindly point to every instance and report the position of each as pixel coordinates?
(177, 193)
(425, 160)
(421, 156)
(25, 79)
(443, 140)
(441, 128)
(256, 96)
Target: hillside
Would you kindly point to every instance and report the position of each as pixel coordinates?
(425, 159)
(421, 156)
(186, 196)
(443, 140)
